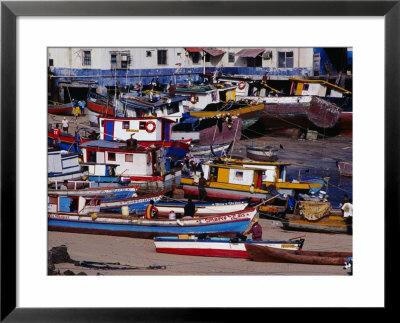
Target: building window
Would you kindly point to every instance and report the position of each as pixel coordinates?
(120, 60)
(196, 57)
(285, 59)
(111, 156)
(254, 61)
(125, 125)
(87, 58)
(129, 158)
(231, 57)
(208, 57)
(51, 62)
(162, 57)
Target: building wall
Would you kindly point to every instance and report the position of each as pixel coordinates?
(179, 67)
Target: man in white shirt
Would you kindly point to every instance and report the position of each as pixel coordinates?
(65, 125)
(348, 215)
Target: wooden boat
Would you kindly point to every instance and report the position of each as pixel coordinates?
(210, 151)
(98, 105)
(147, 131)
(242, 179)
(72, 205)
(61, 109)
(208, 131)
(315, 217)
(217, 247)
(249, 113)
(62, 166)
(68, 141)
(106, 193)
(268, 254)
(202, 208)
(307, 112)
(345, 168)
(227, 224)
(267, 153)
(136, 204)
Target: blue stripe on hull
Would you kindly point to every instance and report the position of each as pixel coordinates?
(132, 228)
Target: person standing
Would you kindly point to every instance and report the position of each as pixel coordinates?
(82, 104)
(56, 134)
(151, 211)
(256, 231)
(189, 209)
(202, 187)
(77, 139)
(76, 112)
(348, 215)
(65, 125)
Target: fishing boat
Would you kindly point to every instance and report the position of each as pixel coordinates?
(227, 224)
(111, 160)
(72, 205)
(68, 141)
(266, 153)
(98, 105)
(62, 165)
(216, 130)
(306, 112)
(345, 168)
(249, 113)
(136, 204)
(242, 179)
(107, 193)
(210, 151)
(202, 208)
(217, 247)
(61, 109)
(146, 131)
(268, 254)
(315, 216)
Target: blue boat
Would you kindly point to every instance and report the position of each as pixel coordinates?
(228, 224)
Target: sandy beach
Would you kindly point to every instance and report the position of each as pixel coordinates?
(313, 158)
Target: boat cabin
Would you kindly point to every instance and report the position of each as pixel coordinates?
(154, 103)
(72, 204)
(202, 95)
(107, 158)
(319, 88)
(62, 165)
(141, 129)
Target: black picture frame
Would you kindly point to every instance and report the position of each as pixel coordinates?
(10, 10)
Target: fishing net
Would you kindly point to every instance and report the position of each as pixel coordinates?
(313, 211)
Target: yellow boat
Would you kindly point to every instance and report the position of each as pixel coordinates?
(239, 179)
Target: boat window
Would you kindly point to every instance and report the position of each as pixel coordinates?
(142, 125)
(128, 158)
(239, 174)
(306, 86)
(111, 156)
(92, 156)
(173, 108)
(68, 204)
(125, 125)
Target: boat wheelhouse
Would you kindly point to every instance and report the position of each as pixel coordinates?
(63, 165)
(199, 96)
(71, 205)
(110, 160)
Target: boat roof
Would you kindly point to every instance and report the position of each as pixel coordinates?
(145, 118)
(233, 162)
(107, 144)
(320, 81)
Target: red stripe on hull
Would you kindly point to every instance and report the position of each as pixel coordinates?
(206, 252)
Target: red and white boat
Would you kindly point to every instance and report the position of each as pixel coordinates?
(63, 109)
(217, 247)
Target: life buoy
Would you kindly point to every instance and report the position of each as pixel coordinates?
(242, 85)
(193, 98)
(150, 126)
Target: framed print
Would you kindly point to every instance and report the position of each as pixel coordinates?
(62, 51)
